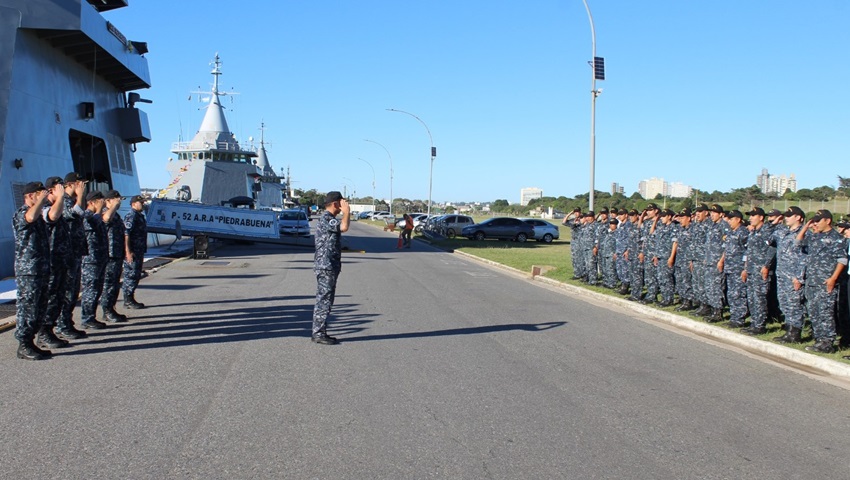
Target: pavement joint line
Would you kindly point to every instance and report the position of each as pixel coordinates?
(774, 352)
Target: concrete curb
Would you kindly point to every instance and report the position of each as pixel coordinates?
(773, 351)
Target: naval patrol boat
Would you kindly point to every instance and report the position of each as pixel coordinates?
(67, 101)
(214, 169)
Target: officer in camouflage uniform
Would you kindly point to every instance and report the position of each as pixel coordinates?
(714, 279)
(684, 264)
(32, 267)
(328, 262)
(136, 242)
(758, 270)
(826, 259)
(734, 254)
(602, 232)
(607, 254)
(589, 239)
(633, 255)
(73, 212)
(650, 268)
(775, 220)
(790, 271)
(698, 238)
(621, 246)
(94, 263)
(664, 257)
(59, 239)
(574, 221)
(116, 252)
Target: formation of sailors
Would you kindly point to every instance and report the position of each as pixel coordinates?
(772, 265)
(71, 245)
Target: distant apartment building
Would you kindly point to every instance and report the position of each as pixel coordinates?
(653, 187)
(616, 188)
(777, 184)
(528, 194)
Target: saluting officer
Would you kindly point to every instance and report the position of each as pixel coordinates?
(73, 212)
(774, 220)
(607, 255)
(621, 247)
(700, 229)
(790, 271)
(136, 241)
(59, 239)
(665, 256)
(634, 258)
(648, 241)
(94, 262)
(826, 259)
(758, 271)
(734, 255)
(589, 240)
(574, 221)
(328, 262)
(32, 267)
(714, 279)
(116, 252)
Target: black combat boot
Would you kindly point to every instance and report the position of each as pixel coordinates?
(754, 330)
(715, 315)
(47, 339)
(791, 336)
(685, 306)
(131, 303)
(28, 351)
(624, 289)
(823, 345)
(112, 316)
(702, 311)
(68, 332)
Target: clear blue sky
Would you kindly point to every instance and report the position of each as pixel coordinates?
(701, 92)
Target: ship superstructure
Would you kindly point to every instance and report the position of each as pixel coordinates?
(67, 104)
(213, 168)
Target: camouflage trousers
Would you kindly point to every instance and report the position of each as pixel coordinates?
(714, 283)
(92, 287)
(132, 274)
(790, 300)
(325, 293)
(577, 260)
(111, 282)
(72, 292)
(650, 278)
(821, 309)
(757, 298)
(609, 270)
(698, 282)
(736, 296)
(636, 277)
(622, 267)
(684, 282)
(31, 302)
(57, 285)
(666, 281)
(591, 267)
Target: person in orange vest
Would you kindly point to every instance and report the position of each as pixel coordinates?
(406, 232)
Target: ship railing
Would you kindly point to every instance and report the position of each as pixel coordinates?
(224, 146)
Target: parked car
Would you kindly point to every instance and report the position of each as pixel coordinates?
(417, 219)
(381, 215)
(294, 222)
(365, 215)
(504, 228)
(451, 225)
(543, 230)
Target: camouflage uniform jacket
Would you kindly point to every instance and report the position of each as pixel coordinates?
(790, 258)
(735, 248)
(73, 215)
(136, 229)
(95, 237)
(760, 250)
(684, 239)
(328, 243)
(59, 239)
(32, 250)
(663, 241)
(115, 237)
(826, 250)
(713, 241)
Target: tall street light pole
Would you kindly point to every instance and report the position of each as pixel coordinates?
(433, 154)
(373, 181)
(391, 170)
(597, 73)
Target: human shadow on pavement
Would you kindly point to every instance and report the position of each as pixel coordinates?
(218, 302)
(528, 327)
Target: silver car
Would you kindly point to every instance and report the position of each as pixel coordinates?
(543, 230)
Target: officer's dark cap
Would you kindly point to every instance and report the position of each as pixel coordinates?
(332, 197)
(774, 213)
(52, 182)
(702, 208)
(604, 210)
(716, 208)
(613, 221)
(666, 213)
(794, 211)
(633, 212)
(622, 211)
(821, 214)
(756, 211)
(843, 224)
(651, 206)
(137, 198)
(577, 209)
(590, 214)
(112, 194)
(735, 214)
(98, 195)
(74, 177)
(685, 212)
(33, 187)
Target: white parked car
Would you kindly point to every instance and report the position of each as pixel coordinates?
(294, 222)
(543, 230)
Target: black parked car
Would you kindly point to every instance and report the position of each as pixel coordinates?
(504, 228)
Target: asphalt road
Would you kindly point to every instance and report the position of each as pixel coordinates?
(448, 369)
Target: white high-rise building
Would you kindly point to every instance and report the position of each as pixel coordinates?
(777, 184)
(528, 194)
(652, 187)
(679, 190)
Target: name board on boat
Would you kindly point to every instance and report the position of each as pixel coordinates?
(168, 216)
